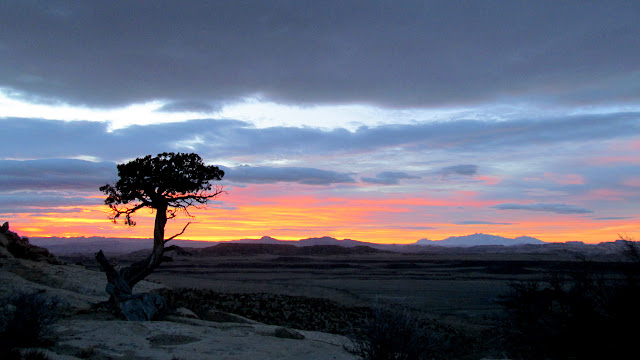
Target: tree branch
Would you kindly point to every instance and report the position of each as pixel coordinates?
(178, 234)
(127, 212)
(183, 201)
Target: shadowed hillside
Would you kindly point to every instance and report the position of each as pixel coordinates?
(238, 249)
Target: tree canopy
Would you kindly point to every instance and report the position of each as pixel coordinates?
(166, 182)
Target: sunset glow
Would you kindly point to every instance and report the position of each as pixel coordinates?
(345, 123)
(400, 220)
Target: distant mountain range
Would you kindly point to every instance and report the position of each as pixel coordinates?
(66, 246)
(480, 239)
(326, 240)
(453, 241)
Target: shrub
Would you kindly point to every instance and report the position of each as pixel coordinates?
(389, 334)
(28, 320)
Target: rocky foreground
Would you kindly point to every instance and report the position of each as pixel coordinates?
(87, 331)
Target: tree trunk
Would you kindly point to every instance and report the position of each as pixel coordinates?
(134, 307)
(120, 283)
(141, 269)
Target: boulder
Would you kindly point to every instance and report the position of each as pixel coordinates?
(186, 313)
(143, 307)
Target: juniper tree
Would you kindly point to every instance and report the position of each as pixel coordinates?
(169, 184)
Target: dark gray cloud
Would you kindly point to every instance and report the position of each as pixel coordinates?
(476, 222)
(554, 208)
(301, 175)
(55, 174)
(393, 53)
(467, 170)
(388, 178)
(613, 218)
(194, 106)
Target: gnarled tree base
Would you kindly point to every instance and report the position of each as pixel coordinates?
(134, 307)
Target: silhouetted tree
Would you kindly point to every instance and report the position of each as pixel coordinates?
(168, 183)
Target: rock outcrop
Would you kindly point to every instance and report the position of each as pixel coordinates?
(12, 245)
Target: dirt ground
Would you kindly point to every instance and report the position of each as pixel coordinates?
(457, 287)
(462, 288)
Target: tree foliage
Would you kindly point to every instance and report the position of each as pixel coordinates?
(168, 182)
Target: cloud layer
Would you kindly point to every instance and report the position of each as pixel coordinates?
(389, 53)
(389, 178)
(467, 170)
(300, 175)
(554, 208)
(55, 174)
(37, 138)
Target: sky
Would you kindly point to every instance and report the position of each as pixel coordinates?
(380, 121)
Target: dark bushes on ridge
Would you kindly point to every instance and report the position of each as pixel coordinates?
(580, 314)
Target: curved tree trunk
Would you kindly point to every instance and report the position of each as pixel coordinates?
(137, 271)
(141, 269)
(120, 283)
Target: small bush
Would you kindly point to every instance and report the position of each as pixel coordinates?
(392, 334)
(28, 319)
